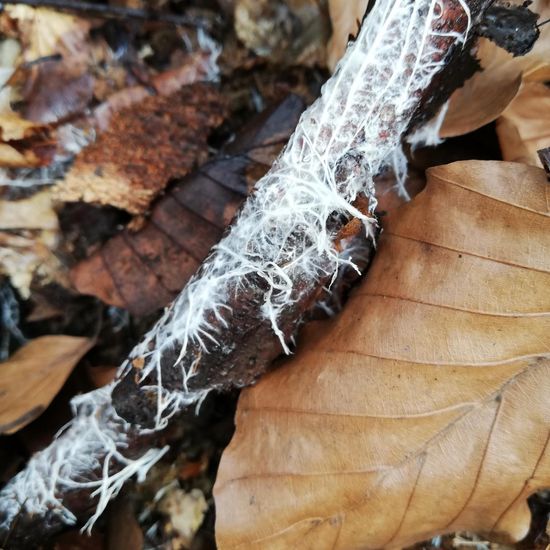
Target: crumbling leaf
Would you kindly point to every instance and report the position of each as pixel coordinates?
(185, 513)
(345, 16)
(144, 270)
(29, 234)
(485, 96)
(55, 79)
(145, 146)
(31, 378)
(13, 127)
(46, 32)
(35, 212)
(196, 67)
(524, 127)
(423, 408)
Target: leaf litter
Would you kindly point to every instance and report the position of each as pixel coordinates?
(110, 114)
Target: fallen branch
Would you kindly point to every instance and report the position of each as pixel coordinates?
(292, 238)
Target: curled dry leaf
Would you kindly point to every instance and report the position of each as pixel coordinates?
(145, 146)
(423, 408)
(185, 513)
(32, 377)
(524, 127)
(345, 16)
(144, 270)
(485, 96)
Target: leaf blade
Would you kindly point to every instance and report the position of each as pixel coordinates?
(422, 408)
(32, 377)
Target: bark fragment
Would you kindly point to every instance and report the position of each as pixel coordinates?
(146, 145)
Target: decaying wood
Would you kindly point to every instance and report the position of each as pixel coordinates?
(164, 137)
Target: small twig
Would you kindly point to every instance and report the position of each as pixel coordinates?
(111, 11)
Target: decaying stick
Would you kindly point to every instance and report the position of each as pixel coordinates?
(248, 298)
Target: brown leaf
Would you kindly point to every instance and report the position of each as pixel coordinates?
(144, 270)
(31, 378)
(423, 408)
(53, 78)
(55, 91)
(123, 531)
(345, 16)
(145, 146)
(524, 127)
(485, 96)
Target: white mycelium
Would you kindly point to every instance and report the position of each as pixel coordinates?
(282, 236)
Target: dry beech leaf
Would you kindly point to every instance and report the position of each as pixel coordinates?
(485, 96)
(524, 127)
(423, 408)
(61, 85)
(162, 138)
(32, 377)
(345, 16)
